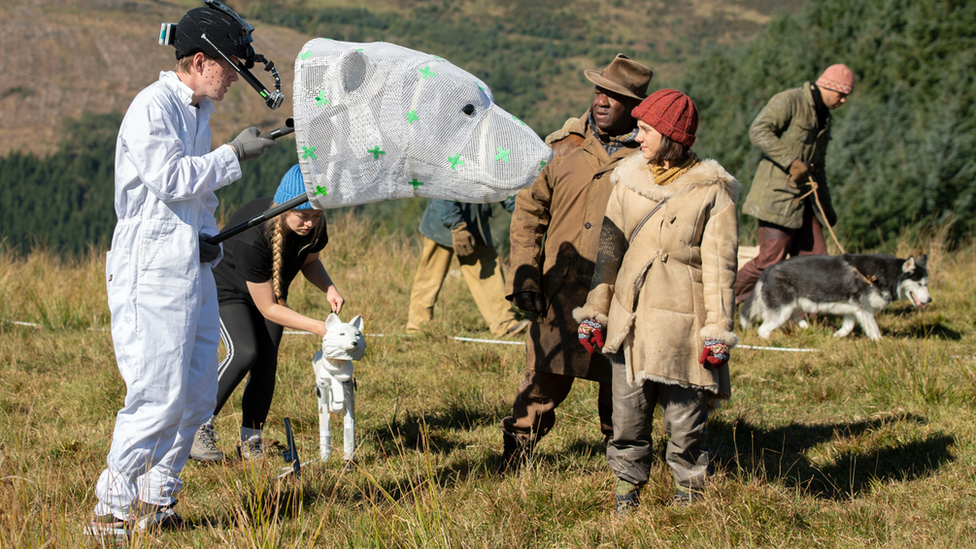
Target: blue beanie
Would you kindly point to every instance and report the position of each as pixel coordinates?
(291, 186)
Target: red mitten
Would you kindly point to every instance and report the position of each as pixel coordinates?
(591, 335)
(715, 354)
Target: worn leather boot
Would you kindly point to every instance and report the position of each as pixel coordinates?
(515, 453)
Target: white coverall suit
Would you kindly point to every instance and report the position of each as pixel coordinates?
(163, 301)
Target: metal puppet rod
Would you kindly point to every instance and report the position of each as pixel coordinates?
(288, 128)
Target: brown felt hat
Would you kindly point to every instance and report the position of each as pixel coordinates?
(624, 76)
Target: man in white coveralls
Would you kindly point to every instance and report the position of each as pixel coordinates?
(161, 291)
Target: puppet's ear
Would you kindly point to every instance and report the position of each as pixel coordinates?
(357, 322)
(332, 320)
(353, 70)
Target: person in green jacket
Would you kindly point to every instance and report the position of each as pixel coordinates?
(792, 131)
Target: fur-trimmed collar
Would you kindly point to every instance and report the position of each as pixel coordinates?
(634, 173)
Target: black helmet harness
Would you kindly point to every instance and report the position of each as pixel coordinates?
(219, 32)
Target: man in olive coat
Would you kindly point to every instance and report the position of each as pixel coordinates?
(565, 207)
(792, 131)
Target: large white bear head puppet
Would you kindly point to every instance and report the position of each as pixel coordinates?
(379, 121)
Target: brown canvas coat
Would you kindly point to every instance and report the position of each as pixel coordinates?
(786, 130)
(673, 288)
(554, 234)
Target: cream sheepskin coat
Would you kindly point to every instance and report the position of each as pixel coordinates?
(673, 287)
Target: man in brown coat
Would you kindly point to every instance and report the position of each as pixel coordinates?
(565, 207)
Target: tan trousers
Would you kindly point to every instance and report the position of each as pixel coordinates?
(481, 270)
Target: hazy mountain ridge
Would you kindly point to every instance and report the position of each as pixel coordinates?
(66, 57)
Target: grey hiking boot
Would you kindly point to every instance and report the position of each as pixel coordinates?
(205, 445)
(252, 449)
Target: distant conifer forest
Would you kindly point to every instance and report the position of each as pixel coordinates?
(902, 155)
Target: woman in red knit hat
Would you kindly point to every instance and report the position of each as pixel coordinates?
(662, 293)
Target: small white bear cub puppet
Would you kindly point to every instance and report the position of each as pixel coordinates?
(334, 383)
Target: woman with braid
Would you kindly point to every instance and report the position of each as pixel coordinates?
(252, 289)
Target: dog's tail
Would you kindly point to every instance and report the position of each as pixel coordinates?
(751, 308)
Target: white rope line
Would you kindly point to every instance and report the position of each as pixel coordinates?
(476, 340)
(786, 349)
(31, 324)
(498, 341)
(298, 332)
(506, 342)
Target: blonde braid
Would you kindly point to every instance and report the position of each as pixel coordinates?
(277, 241)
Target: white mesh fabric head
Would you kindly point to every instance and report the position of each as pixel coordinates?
(379, 121)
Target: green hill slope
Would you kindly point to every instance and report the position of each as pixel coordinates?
(903, 149)
(74, 65)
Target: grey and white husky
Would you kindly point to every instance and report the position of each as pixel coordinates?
(854, 286)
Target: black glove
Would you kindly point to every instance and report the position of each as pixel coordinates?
(208, 251)
(529, 301)
(248, 145)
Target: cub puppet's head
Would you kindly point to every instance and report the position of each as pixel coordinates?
(343, 341)
(379, 121)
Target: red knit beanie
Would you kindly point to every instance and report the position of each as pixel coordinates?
(838, 78)
(671, 113)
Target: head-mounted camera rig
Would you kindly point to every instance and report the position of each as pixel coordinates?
(221, 34)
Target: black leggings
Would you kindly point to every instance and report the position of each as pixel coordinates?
(252, 348)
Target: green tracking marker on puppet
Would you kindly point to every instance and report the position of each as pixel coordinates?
(456, 161)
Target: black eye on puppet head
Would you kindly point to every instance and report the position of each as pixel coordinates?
(468, 109)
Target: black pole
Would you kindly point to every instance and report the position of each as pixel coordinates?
(291, 454)
(288, 128)
(258, 219)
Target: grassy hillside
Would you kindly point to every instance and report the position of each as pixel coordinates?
(63, 58)
(859, 444)
(67, 57)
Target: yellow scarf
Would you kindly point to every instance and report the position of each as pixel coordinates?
(663, 176)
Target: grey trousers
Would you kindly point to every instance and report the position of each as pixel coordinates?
(685, 413)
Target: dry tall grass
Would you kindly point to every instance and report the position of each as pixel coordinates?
(858, 444)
